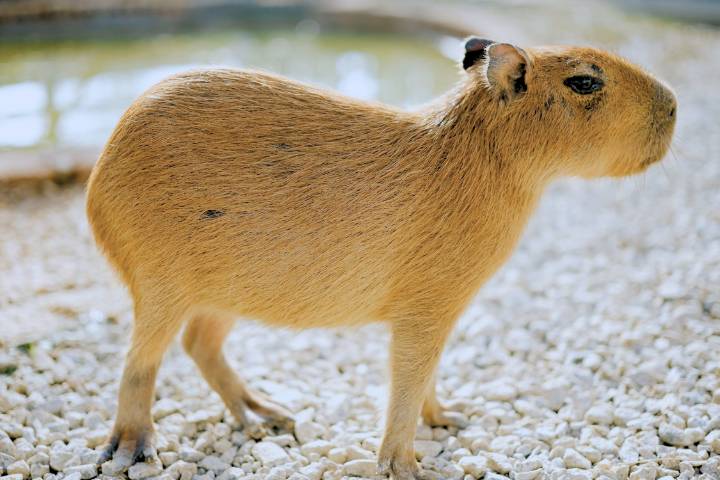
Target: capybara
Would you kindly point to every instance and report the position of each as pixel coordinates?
(227, 193)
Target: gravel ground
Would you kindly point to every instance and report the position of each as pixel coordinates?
(592, 354)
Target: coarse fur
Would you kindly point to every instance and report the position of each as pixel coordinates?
(229, 193)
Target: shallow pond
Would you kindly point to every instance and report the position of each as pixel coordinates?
(71, 93)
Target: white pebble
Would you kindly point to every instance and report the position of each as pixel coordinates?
(601, 414)
(474, 465)
(360, 468)
(61, 459)
(337, 455)
(576, 474)
(232, 473)
(354, 452)
(144, 470)
(680, 437)
(644, 472)
(307, 431)
(188, 454)
(164, 407)
(320, 447)
(184, 470)
(39, 470)
(529, 475)
(168, 458)
(499, 463)
(427, 448)
(214, 464)
(424, 432)
(86, 471)
(499, 390)
(20, 467)
(573, 459)
(314, 471)
(270, 454)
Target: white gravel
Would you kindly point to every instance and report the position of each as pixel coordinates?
(592, 354)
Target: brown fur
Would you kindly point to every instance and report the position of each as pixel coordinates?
(228, 193)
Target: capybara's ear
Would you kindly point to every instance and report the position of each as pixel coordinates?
(475, 50)
(506, 69)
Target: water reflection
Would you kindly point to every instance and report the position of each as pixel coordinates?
(72, 94)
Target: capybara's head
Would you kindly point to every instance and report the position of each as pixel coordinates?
(579, 111)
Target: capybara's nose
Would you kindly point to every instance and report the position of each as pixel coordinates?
(665, 103)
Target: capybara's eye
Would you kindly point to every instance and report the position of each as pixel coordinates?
(584, 84)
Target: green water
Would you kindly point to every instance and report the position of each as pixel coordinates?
(71, 94)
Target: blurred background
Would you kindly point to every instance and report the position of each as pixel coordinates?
(68, 69)
(612, 297)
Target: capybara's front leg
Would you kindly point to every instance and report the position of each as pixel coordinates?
(132, 436)
(414, 353)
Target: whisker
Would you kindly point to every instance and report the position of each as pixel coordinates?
(677, 155)
(678, 136)
(639, 183)
(678, 145)
(667, 175)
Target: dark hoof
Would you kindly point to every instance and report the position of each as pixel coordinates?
(123, 451)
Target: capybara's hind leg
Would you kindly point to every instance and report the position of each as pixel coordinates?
(436, 414)
(132, 436)
(203, 339)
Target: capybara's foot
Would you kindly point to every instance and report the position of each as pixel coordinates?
(400, 470)
(125, 448)
(441, 416)
(256, 429)
(399, 464)
(266, 415)
(274, 414)
(260, 428)
(280, 421)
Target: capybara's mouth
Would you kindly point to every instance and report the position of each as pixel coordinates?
(659, 147)
(651, 160)
(655, 157)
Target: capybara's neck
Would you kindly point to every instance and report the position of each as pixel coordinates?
(477, 192)
(479, 159)
(480, 138)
